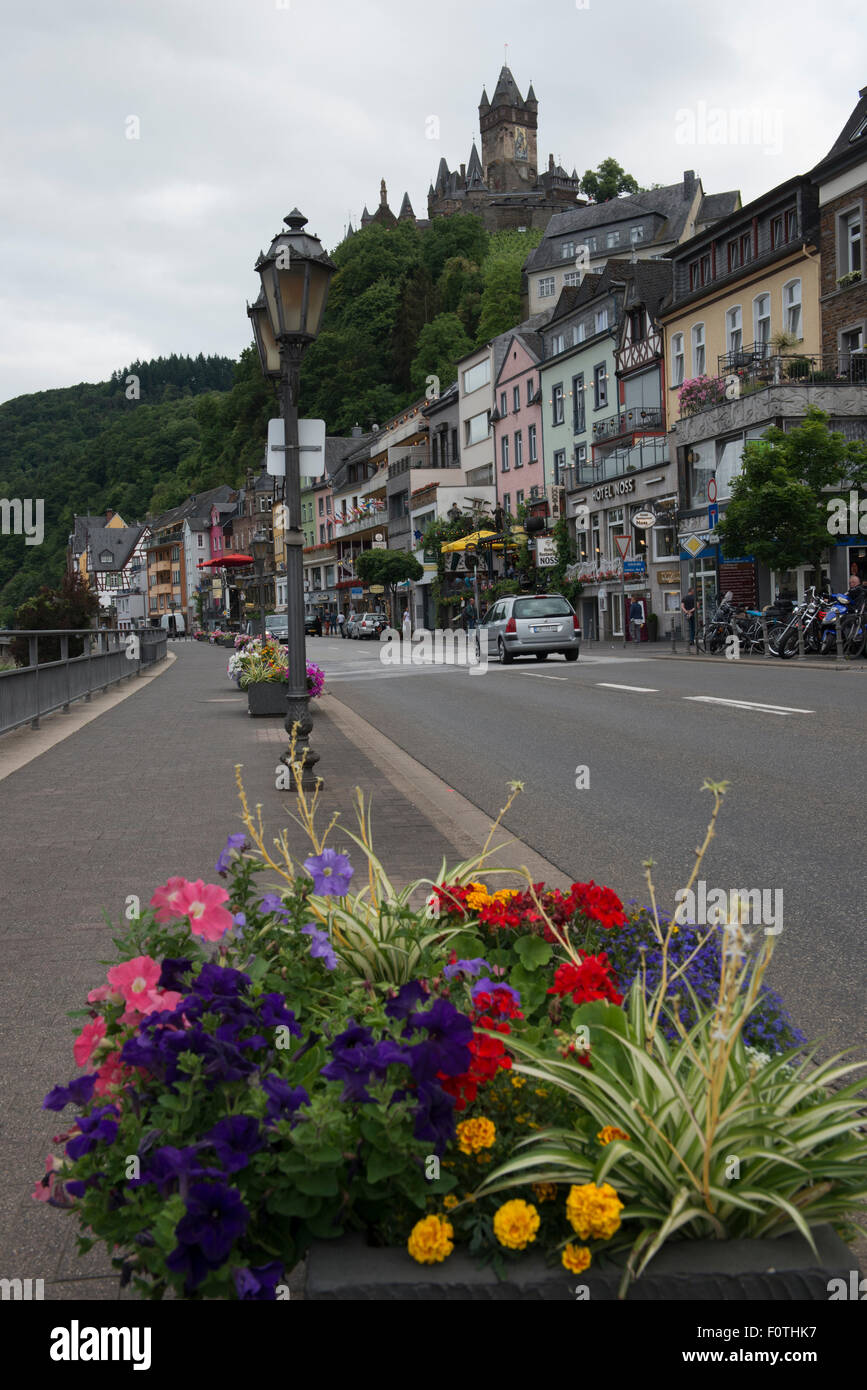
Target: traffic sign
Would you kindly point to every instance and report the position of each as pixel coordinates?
(311, 440)
(356, 591)
(623, 544)
(644, 518)
(634, 567)
(692, 545)
(712, 514)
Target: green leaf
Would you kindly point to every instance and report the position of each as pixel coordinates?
(164, 1226)
(321, 1182)
(384, 1165)
(289, 1203)
(533, 951)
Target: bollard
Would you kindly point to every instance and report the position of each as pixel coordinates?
(766, 647)
(841, 660)
(673, 641)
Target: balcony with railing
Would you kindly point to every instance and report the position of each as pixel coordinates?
(634, 420)
(650, 453)
(758, 366)
(372, 520)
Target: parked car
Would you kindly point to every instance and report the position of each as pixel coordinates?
(276, 625)
(310, 627)
(529, 625)
(174, 624)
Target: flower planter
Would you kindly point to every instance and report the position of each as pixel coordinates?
(783, 1270)
(267, 698)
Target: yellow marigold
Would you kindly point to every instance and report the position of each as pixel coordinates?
(477, 900)
(504, 894)
(609, 1134)
(431, 1240)
(469, 1197)
(594, 1212)
(518, 1081)
(474, 1135)
(450, 1201)
(516, 1224)
(540, 1092)
(576, 1258)
(545, 1191)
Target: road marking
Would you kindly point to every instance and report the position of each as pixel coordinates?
(642, 689)
(541, 676)
(748, 704)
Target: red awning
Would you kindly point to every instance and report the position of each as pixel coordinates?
(230, 559)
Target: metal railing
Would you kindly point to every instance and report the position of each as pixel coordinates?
(630, 421)
(760, 366)
(42, 687)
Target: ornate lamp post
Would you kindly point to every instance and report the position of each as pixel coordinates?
(295, 274)
(261, 548)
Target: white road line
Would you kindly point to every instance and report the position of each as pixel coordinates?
(748, 704)
(642, 689)
(541, 676)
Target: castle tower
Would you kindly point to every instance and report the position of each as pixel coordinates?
(508, 128)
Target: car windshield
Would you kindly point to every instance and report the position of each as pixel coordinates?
(548, 606)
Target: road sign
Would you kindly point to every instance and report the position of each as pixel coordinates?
(711, 489)
(692, 545)
(546, 552)
(634, 567)
(311, 440)
(712, 514)
(623, 544)
(644, 518)
(356, 591)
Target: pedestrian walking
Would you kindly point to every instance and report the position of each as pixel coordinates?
(636, 619)
(407, 625)
(687, 607)
(341, 624)
(318, 625)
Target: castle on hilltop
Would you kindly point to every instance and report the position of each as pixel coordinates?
(503, 185)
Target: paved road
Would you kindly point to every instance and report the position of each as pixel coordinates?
(649, 731)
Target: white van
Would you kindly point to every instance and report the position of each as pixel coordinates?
(174, 624)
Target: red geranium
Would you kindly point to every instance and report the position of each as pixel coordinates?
(590, 980)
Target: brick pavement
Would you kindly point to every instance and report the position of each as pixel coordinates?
(144, 791)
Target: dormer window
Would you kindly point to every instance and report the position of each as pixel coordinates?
(105, 557)
(567, 251)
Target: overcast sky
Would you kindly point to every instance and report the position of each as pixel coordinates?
(113, 248)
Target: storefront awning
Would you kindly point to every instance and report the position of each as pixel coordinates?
(231, 559)
(477, 538)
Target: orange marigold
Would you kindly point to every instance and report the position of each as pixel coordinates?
(576, 1258)
(430, 1240)
(609, 1133)
(516, 1224)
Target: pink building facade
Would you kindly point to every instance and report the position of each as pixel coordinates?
(519, 465)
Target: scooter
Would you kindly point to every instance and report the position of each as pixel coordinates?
(835, 609)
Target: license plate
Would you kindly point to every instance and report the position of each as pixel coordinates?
(549, 628)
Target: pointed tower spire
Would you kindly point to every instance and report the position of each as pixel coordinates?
(406, 213)
(531, 97)
(484, 104)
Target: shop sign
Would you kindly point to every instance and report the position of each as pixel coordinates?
(600, 494)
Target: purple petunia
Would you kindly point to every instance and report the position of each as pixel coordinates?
(216, 1217)
(487, 986)
(320, 946)
(171, 973)
(235, 1139)
(282, 1098)
(273, 903)
(168, 1165)
(406, 999)
(234, 842)
(259, 1283)
(273, 1012)
(467, 967)
(451, 1030)
(92, 1128)
(330, 872)
(78, 1092)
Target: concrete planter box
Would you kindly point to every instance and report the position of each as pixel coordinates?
(783, 1270)
(267, 698)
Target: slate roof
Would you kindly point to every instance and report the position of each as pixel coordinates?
(506, 92)
(120, 540)
(848, 140)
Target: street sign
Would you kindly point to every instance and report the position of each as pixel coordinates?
(644, 518)
(356, 592)
(712, 514)
(311, 440)
(692, 545)
(634, 567)
(377, 589)
(546, 552)
(623, 544)
(379, 545)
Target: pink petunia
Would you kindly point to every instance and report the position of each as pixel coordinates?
(43, 1190)
(165, 900)
(102, 992)
(135, 979)
(159, 999)
(111, 1073)
(201, 903)
(90, 1035)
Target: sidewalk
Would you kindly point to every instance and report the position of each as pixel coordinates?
(142, 792)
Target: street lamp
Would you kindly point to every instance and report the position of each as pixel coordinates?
(295, 274)
(261, 547)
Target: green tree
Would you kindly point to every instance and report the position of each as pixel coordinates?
(388, 568)
(501, 301)
(73, 605)
(461, 235)
(779, 504)
(608, 181)
(419, 305)
(439, 348)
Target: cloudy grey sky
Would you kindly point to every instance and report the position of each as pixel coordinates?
(113, 248)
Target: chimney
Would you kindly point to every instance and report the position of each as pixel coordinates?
(550, 163)
(689, 183)
(463, 173)
(109, 514)
(356, 431)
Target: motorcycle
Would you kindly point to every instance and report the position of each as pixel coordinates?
(806, 617)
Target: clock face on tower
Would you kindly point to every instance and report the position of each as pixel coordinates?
(521, 151)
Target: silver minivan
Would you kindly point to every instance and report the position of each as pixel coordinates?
(530, 625)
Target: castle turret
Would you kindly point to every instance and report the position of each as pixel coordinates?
(508, 131)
